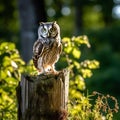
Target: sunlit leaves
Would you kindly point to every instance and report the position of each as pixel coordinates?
(80, 106)
(76, 53)
(14, 65)
(80, 70)
(87, 66)
(30, 69)
(93, 64)
(84, 109)
(86, 73)
(71, 45)
(10, 59)
(72, 52)
(11, 67)
(7, 48)
(81, 40)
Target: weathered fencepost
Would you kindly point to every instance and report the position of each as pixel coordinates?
(43, 97)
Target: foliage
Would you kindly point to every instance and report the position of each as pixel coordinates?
(102, 109)
(80, 107)
(11, 67)
(79, 70)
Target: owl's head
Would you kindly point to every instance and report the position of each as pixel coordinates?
(48, 30)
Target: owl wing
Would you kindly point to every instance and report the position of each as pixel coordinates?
(37, 51)
(60, 49)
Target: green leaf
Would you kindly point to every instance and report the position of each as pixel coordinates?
(81, 40)
(14, 65)
(76, 53)
(11, 66)
(68, 50)
(11, 46)
(3, 75)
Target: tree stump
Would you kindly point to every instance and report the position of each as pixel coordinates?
(43, 97)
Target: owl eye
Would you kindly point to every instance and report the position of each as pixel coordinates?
(52, 30)
(44, 30)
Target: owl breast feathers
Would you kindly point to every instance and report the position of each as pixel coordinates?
(48, 47)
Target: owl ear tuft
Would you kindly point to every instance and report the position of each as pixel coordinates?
(54, 22)
(41, 23)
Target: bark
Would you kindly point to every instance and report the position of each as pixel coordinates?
(43, 97)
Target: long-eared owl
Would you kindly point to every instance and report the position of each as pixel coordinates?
(48, 47)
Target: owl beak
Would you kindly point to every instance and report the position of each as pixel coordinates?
(48, 34)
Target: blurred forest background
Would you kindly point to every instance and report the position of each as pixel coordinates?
(98, 19)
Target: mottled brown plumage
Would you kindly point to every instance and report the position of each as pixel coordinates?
(47, 49)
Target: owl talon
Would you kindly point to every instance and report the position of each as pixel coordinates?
(52, 72)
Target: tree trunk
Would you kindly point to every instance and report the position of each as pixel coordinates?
(78, 16)
(27, 24)
(40, 11)
(43, 97)
(107, 11)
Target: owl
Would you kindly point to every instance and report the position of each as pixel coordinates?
(48, 47)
